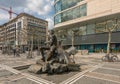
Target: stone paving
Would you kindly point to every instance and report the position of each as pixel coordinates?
(93, 71)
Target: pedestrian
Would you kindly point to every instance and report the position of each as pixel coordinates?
(17, 51)
(110, 50)
(14, 51)
(102, 50)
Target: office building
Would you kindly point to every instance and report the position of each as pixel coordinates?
(87, 17)
(22, 29)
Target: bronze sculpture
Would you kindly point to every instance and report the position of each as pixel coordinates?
(55, 59)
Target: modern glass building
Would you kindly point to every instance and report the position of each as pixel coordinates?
(87, 17)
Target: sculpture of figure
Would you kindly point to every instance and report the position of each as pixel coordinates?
(51, 47)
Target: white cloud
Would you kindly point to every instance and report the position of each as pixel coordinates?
(42, 7)
(4, 16)
(50, 23)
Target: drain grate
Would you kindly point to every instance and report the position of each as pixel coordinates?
(88, 80)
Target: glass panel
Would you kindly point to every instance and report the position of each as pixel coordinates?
(118, 28)
(55, 0)
(64, 4)
(58, 7)
(64, 16)
(91, 29)
(57, 19)
(73, 13)
(83, 30)
(67, 4)
(83, 10)
(76, 13)
(100, 27)
(110, 24)
(70, 15)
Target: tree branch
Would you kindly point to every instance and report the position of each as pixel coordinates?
(114, 27)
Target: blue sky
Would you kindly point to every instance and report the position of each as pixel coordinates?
(39, 8)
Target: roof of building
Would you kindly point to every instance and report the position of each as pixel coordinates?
(20, 15)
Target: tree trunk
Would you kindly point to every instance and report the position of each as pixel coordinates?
(31, 48)
(108, 45)
(28, 48)
(38, 52)
(72, 38)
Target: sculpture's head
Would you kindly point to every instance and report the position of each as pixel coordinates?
(52, 32)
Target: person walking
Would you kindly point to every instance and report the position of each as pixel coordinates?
(18, 51)
(14, 51)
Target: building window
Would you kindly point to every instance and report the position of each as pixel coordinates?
(100, 27)
(69, 3)
(118, 27)
(58, 6)
(64, 4)
(76, 13)
(55, 0)
(64, 16)
(83, 30)
(19, 25)
(91, 29)
(111, 23)
(71, 14)
(83, 10)
(57, 19)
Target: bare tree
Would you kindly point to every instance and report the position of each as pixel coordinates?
(34, 33)
(109, 30)
(30, 35)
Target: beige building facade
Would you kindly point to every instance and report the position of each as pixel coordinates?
(20, 31)
(85, 15)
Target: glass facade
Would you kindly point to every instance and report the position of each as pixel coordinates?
(90, 29)
(58, 6)
(83, 30)
(118, 27)
(61, 5)
(67, 10)
(57, 19)
(55, 0)
(74, 13)
(110, 24)
(99, 27)
(67, 4)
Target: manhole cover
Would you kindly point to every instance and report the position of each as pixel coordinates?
(22, 81)
(4, 73)
(107, 71)
(88, 80)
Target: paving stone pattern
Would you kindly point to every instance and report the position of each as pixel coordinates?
(112, 66)
(88, 80)
(4, 73)
(108, 71)
(22, 81)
